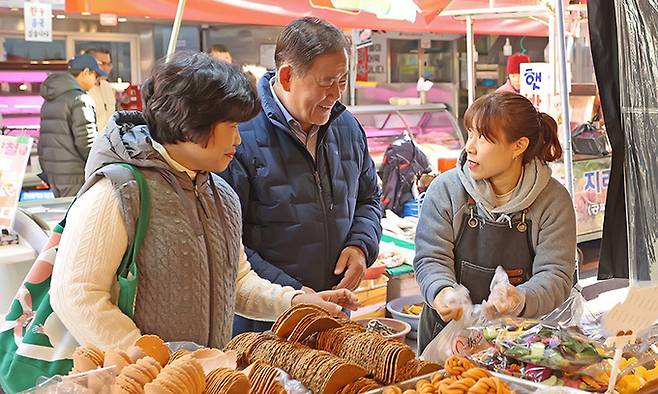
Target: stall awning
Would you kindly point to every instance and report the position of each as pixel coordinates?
(280, 13)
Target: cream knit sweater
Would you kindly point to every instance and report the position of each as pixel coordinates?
(84, 289)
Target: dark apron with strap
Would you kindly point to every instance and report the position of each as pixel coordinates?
(481, 246)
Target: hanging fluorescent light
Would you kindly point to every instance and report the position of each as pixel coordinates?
(60, 16)
(507, 48)
(85, 13)
(122, 19)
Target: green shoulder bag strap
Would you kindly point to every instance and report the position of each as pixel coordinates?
(128, 273)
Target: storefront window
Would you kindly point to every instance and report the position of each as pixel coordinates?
(437, 62)
(188, 39)
(19, 50)
(119, 52)
(404, 60)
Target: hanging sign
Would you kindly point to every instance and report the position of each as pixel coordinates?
(14, 154)
(38, 21)
(536, 84)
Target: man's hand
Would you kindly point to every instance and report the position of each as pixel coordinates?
(333, 301)
(307, 290)
(352, 262)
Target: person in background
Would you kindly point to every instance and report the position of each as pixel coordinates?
(499, 207)
(68, 124)
(103, 94)
(221, 52)
(306, 181)
(513, 83)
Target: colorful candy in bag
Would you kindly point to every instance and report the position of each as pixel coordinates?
(539, 343)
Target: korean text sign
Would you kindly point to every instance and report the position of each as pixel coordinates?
(38, 21)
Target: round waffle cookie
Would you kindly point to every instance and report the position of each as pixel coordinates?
(87, 358)
(244, 344)
(144, 371)
(116, 359)
(416, 368)
(155, 347)
(289, 319)
(263, 379)
(178, 354)
(183, 376)
(227, 381)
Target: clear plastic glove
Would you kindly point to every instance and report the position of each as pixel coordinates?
(504, 299)
(450, 302)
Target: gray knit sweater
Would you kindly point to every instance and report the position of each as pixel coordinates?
(550, 209)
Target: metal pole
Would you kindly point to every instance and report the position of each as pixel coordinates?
(564, 97)
(175, 29)
(564, 100)
(469, 59)
(353, 66)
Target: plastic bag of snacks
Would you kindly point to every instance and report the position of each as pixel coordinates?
(456, 338)
(540, 343)
(493, 360)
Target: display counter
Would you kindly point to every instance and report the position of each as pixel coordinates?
(433, 126)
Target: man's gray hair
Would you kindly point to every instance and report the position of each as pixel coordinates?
(304, 39)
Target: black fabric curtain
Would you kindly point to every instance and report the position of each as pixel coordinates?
(613, 261)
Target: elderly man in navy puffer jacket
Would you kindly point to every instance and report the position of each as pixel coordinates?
(307, 184)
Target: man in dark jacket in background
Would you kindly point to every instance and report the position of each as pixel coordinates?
(307, 184)
(68, 125)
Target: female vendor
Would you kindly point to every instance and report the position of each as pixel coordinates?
(499, 207)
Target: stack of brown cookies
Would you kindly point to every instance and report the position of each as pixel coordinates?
(263, 379)
(134, 377)
(319, 371)
(362, 385)
(301, 321)
(227, 381)
(183, 376)
(384, 359)
(244, 343)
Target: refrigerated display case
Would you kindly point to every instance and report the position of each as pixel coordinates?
(20, 105)
(433, 126)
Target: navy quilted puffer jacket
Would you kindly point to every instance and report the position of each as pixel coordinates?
(298, 215)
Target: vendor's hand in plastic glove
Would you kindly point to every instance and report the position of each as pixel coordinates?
(445, 308)
(504, 300)
(333, 301)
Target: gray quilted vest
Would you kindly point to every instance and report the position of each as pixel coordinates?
(189, 260)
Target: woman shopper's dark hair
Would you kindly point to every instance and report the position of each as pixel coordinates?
(305, 39)
(512, 116)
(190, 93)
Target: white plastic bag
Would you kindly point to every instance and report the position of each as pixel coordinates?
(454, 338)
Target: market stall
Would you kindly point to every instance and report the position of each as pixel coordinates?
(309, 351)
